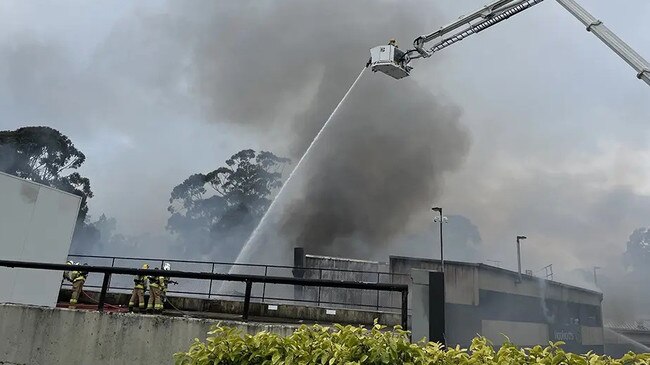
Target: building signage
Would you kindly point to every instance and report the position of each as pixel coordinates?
(566, 333)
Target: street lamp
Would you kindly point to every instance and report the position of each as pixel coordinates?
(440, 219)
(519, 239)
(595, 278)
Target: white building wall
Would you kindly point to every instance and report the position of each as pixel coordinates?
(36, 224)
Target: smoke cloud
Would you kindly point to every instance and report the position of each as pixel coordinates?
(382, 162)
(285, 66)
(277, 69)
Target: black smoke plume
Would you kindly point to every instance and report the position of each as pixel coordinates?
(286, 65)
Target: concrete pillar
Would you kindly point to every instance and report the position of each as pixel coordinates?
(298, 272)
(427, 304)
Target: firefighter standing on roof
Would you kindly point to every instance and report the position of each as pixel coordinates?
(137, 297)
(155, 293)
(158, 290)
(77, 278)
(164, 283)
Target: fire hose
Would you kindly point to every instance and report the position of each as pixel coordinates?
(96, 302)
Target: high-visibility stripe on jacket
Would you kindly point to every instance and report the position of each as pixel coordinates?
(153, 281)
(140, 281)
(164, 282)
(77, 276)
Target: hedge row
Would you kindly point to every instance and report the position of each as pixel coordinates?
(349, 345)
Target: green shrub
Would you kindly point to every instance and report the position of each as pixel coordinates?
(355, 345)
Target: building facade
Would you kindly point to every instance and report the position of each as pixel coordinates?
(478, 299)
(499, 304)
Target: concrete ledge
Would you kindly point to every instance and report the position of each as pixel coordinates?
(284, 312)
(49, 336)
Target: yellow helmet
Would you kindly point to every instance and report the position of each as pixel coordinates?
(145, 266)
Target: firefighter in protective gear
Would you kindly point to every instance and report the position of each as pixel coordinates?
(164, 280)
(155, 294)
(77, 278)
(137, 296)
(164, 283)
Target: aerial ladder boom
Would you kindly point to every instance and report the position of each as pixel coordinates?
(595, 26)
(396, 63)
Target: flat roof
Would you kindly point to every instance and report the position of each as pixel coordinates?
(345, 259)
(38, 184)
(499, 270)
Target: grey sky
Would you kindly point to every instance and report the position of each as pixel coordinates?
(558, 124)
(560, 134)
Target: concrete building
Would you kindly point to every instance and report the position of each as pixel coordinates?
(479, 299)
(494, 302)
(622, 337)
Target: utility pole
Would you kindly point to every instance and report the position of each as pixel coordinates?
(442, 219)
(595, 277)
(519, 239)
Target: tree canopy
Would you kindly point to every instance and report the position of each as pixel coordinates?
(45, 155)
(637, 254)
(219, 209)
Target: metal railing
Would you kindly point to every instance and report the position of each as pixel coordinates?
(319, 297)
(248, 280)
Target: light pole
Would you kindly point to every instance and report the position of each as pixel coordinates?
(441, 219)
(519, 239)
(595, 278)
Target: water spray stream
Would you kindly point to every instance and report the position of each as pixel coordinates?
(246, 252)
(635, 346)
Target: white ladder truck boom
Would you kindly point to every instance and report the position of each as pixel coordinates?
(396, 63)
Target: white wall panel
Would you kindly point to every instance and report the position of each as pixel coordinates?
(36, 224)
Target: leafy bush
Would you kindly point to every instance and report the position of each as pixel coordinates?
(355, 345)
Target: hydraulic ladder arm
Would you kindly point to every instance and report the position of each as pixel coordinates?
(486, 17)
(595, 26)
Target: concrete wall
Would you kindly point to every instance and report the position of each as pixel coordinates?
(289, 313)
(46, 336)
(335, 268)
(464, 280)
(522, 333)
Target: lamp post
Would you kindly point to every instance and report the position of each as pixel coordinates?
(519, 239)
(595, 278)
(440, 219)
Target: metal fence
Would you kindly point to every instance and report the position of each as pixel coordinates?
(118, 278)
(265, 293)
(245, 279)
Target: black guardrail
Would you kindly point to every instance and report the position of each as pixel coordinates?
(229, 264)
(247, 279)
(315, 272)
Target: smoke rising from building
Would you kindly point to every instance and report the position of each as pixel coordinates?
(383, 159)
(272, 68)
(382, 162)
